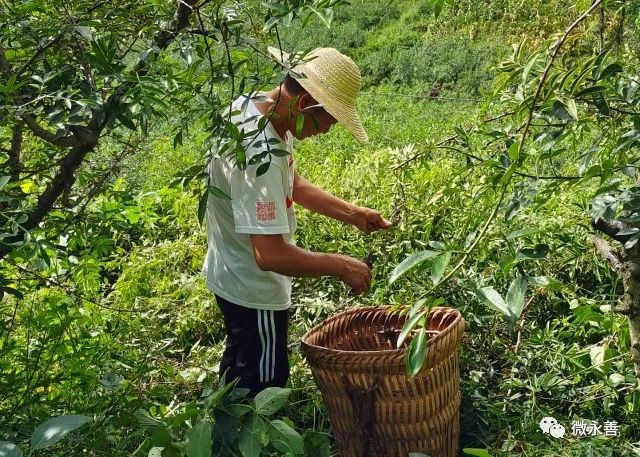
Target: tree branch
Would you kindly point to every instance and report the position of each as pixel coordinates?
(14, 152)
(611, 229)
(53, 41)
(4, 64)
(46, 135)
(605, 250)
(85, 138)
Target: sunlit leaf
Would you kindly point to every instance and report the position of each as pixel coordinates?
(476, 452)
(490, 297)
(515, 297)
(53, 430)
(411, 262)
(270, 400)
(9, 450)
(439, 265)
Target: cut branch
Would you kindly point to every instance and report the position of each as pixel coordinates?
(611, 229)
(608, 252)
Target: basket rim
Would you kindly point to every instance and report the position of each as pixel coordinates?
(398, 351)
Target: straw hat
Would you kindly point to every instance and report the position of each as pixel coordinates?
(333, 80)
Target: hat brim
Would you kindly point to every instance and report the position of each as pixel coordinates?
(343, 113)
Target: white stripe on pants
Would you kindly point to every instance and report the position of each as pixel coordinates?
(267, 331)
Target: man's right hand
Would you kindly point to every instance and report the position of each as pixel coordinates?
(356, 274)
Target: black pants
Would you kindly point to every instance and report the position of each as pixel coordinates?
(256, 346)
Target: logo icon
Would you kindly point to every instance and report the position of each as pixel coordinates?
(551, 426)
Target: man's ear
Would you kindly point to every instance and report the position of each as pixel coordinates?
(305, 100)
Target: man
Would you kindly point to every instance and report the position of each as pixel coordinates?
(251, 256)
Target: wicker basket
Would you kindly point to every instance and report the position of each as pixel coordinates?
(375, 409)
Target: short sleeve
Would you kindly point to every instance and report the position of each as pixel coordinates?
(259, 202)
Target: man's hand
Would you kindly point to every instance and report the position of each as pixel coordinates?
(356, 274)
(272, 253)
(368, 220)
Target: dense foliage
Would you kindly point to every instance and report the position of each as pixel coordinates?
(107, 324)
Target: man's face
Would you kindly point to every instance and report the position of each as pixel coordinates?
(316, 119)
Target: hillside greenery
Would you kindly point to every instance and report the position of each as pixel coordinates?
(125, 332)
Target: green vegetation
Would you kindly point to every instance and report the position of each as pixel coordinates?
(106, 315)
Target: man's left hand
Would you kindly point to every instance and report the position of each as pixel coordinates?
(369, 220)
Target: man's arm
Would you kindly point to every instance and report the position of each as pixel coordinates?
(272, 253)
(320, 201)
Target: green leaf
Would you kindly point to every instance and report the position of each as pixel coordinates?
(177, 140)
(325, 18)
(128, 123)
(601, 104)
(238, 409)
(279, 152)
(545, 282)
(270, 400)
(611, 70)
(597, 355)
(218, 193)
(515, 297)
(437, 6)
(409, 325)
(514, 151)
(249, 441)
(84, 32)
(438, 245)
(572, 108)
(476, 452)
(299, 124)
(537, 252)
(145, 419)
(316, 444)
(257, 158)
(492, 299)
(11, 291)
(262, 169)
(53, 430)
(418, 305)
(199, 444)
(9, 450)
(559, 110)
(615, 378)
(171, 451)
(590, 91)
(439, 265)
(202, 207)
(160, 437)
(410, 262)
(285, 439)
(417, 353)
(4, 180)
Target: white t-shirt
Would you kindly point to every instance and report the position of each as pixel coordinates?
(258, 205)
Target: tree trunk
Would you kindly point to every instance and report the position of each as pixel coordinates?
(630, 273)
(626, 263)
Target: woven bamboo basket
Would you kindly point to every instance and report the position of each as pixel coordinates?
(375, 408)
